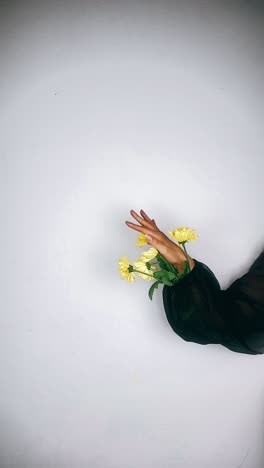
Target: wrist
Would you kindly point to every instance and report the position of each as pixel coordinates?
(180, 265)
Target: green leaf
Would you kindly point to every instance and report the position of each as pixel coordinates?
(162, 261)
(172, 275)
(159, 274)
(151, 290)
(167, 282)
(165, 264)
(164, 277)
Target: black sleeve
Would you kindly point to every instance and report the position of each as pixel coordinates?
(199, 311)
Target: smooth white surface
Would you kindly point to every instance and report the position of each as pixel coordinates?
(107, 107)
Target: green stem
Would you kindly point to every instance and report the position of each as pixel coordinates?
(186, 256)
(169, 265)
(143, 273)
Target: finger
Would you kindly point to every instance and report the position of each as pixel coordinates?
(147, 230)
(156, 237)
(142, 229)
(155, 224)
(148, 224)
(145, 215)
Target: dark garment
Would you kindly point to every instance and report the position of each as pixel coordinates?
(199, 311)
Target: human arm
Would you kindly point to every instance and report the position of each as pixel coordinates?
(196, 307)
(199, 311)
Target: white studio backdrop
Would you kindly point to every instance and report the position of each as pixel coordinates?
(108, 107)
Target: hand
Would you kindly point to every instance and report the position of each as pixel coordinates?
(172, 252)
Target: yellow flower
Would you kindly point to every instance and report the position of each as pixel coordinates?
(142, 267)
(142, 240)
(124, 265)
(149, 254)
(183, 234)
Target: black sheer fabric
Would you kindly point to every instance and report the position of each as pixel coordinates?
(199, 311)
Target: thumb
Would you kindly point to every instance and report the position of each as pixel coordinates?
(150, 238)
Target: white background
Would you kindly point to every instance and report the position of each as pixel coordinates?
(107, 107)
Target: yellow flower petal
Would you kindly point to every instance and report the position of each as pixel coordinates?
(142, 240)
(183, 234)
(124, 264)
(149, 254)
(131, 277)
(142, 267)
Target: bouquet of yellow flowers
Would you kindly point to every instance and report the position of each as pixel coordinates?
(146, 267)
